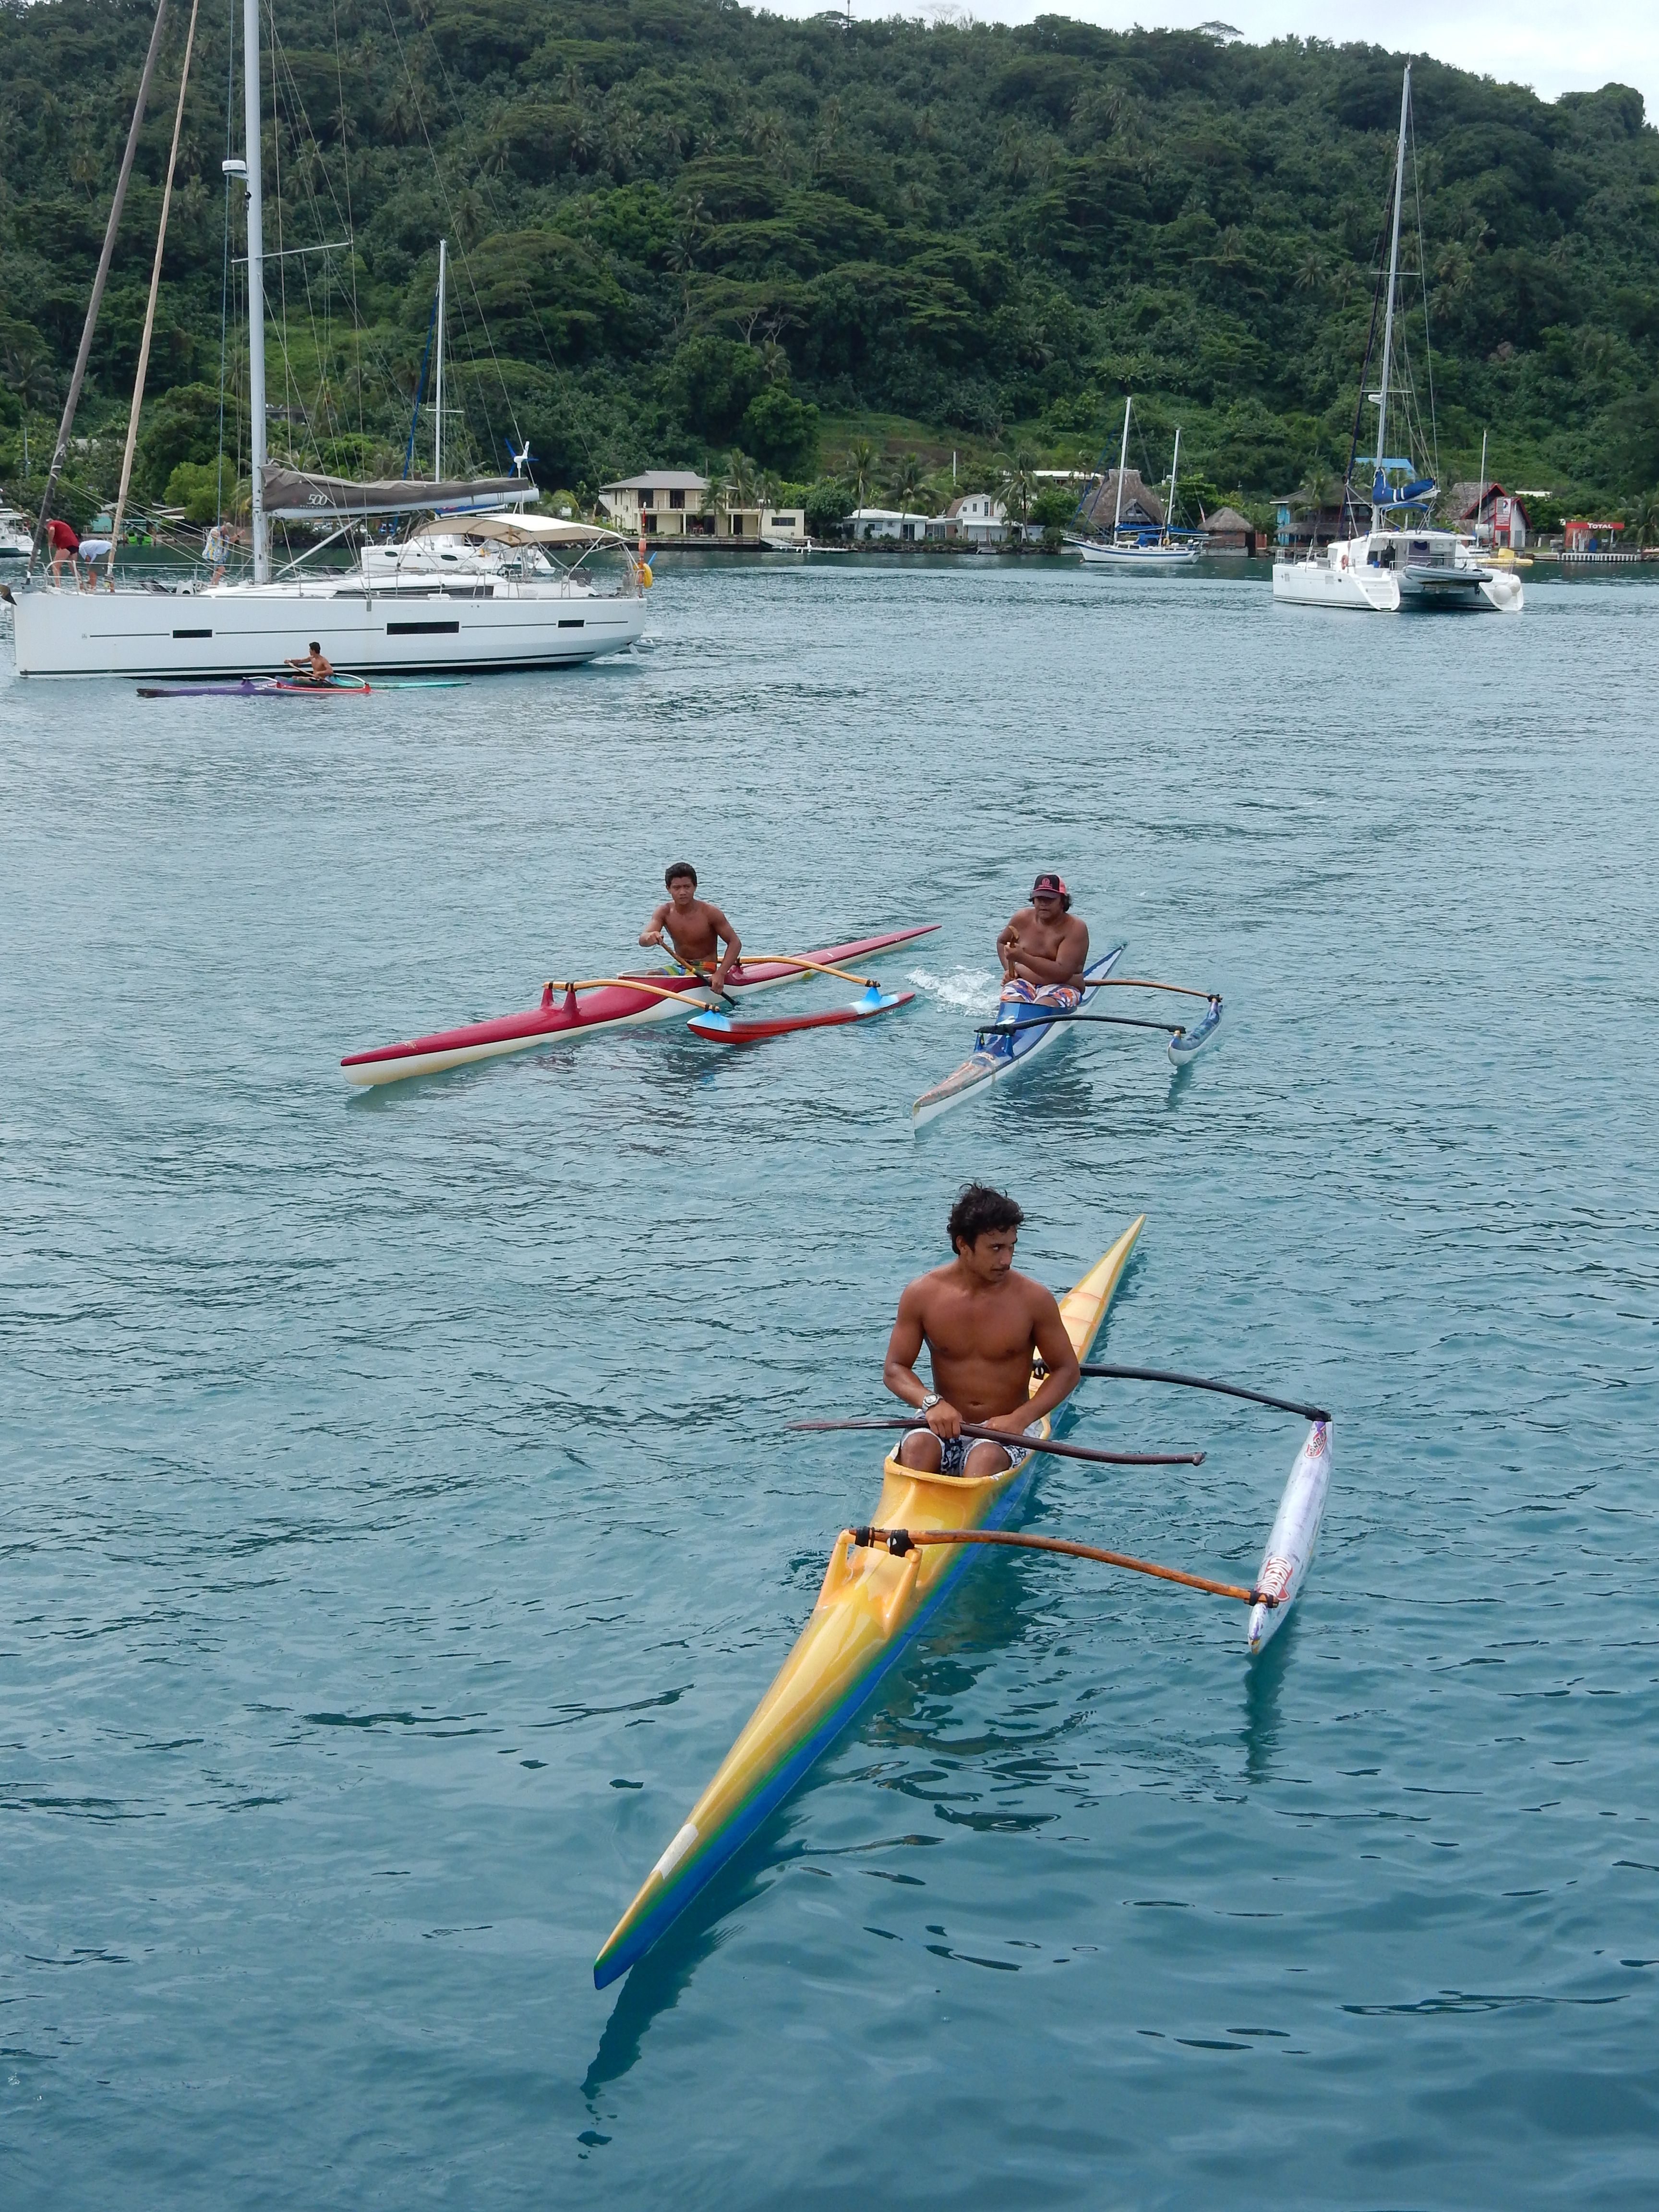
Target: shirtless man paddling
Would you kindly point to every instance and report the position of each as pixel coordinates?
(983, 1326)
(1044, 950)
(696, 929)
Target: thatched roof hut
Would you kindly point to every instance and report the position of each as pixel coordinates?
(1230, 531)
(1142, 509)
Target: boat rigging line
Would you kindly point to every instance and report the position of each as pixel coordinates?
(149, 310)
(89, 327)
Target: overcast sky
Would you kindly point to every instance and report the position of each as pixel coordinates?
(1555, 46)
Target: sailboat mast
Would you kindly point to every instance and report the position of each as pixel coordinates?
(256, 285)
(1393, 272)
(60, 451)
(438, 433)
(1175, 465)
(1480, 489)
(1122, 458)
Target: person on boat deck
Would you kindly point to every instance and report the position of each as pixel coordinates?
(65, 544)
(1044, 949)
(697, 930)
(983, 1326)
(313, 665)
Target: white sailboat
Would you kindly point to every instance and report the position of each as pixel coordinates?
(1401, 561)
(482, 586)
(1138, 548)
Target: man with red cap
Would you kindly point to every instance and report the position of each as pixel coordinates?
(1044, 949)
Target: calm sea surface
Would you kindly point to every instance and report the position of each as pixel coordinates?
(400, 1522)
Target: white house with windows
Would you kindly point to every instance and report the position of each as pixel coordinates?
(870, 524)
(978, 517)
(661, 503)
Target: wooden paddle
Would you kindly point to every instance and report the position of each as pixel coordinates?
(1201, 1382)
(700, 969)
(1012, 1443)
(900, 1541)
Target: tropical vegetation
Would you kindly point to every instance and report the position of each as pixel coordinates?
(859, 259)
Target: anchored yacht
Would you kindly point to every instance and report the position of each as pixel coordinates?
(1399, 560)
(480, 585)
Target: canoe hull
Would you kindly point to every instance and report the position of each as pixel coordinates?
(869, 1612)
(1294, 1537)
(607, 1006)
(983, 1069)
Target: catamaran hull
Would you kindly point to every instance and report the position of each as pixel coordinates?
(1317, 584)
(982, 1070)
(1294, 1537)
(607, 1007)
(242, 630)
(869, 1612)
(1359, 588)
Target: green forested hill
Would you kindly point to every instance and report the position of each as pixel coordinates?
(676, 225)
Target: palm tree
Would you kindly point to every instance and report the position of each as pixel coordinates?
(1017, 485)
(860, 469)
(1644, 518)
(907, 482)
(28, 372)
(741, 486)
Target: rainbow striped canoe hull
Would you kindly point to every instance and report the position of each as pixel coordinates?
(869, 1612)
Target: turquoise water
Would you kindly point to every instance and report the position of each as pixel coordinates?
(399, 1526)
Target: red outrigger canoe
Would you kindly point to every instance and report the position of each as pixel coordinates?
(565, 1011)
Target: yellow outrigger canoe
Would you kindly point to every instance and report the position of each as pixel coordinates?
(870, 1609)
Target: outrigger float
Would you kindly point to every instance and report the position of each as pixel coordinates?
(629, 1002)
(885, 1583)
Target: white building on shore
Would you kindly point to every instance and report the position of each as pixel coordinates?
(671, 506)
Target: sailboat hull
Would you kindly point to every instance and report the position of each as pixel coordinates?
(241, 630)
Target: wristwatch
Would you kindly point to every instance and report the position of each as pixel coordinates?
(930, 1399)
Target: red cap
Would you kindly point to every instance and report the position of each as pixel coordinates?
(1049, 885)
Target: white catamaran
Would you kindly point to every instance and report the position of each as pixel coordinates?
(480, 585)
(1400, 560)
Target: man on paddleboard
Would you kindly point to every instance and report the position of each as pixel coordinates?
(696, 929)
(983, 1326)
(1044, 949)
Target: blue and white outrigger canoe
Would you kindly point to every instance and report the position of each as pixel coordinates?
(994, 1059)
(1025, 1026)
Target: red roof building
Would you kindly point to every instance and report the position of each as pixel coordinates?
(1495, 516)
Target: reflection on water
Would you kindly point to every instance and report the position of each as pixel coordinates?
(1264, 1680)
